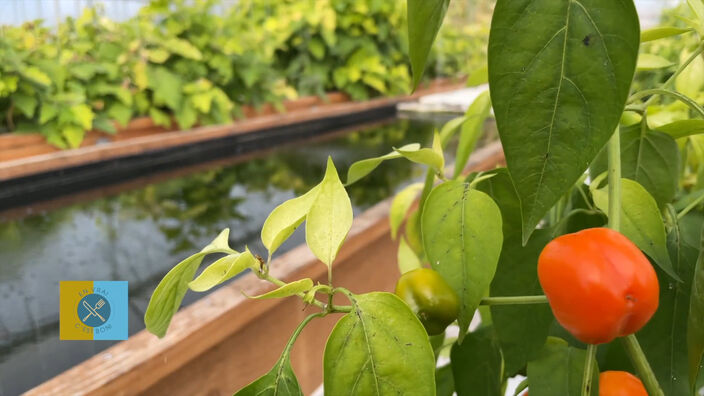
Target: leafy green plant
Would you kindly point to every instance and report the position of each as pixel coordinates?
(581, 154)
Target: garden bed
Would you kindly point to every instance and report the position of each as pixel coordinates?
(224, 340)
(28, 154)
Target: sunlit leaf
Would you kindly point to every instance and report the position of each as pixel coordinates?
(432, 157)
(400, 205)
(285, 218)
(407, 259)
(289, 289)
(661, 32)
(223, 269)
(364, 167)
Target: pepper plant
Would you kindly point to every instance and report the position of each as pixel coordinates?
(582, 256)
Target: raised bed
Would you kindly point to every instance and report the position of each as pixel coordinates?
(224, 341)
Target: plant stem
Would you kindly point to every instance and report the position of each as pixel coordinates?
(660, 91)
(680, 69)
(614, 154)
(642, 366)
(514, 300)
(588, 370)
(297, 332)
(691, 206)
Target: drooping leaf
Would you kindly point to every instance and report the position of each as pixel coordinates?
(285, 218)
(477, 365)
(559, 73)
(661, 32)
(424, 20)
(664, 337)
(462, 237)
(695, 320)
(223, 269)
(400, 205)
(432, 157)
(381, 349)
(558, 371)
(407, 259)
(329, 218)
(472, 130)
(364, 167)
(641, 221)
(683, 128)
(168, 295)
(649, 157)
(289, 289)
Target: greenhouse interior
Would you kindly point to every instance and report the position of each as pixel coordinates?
(352, 197)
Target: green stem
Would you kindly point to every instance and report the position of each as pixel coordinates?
(640, 362)
(661, 91)
(691, 206)
(316, 302)
(514, 300)
(297, 332)
(588, 370)
(680, 69)
(614, 154)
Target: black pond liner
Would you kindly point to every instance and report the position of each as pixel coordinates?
(56, 183)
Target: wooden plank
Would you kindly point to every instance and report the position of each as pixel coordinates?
(224, 341)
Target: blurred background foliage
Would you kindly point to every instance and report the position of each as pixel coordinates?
(198, 61)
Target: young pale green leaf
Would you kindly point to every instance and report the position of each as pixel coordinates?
(661, 32)
(695, 321)
(683, 128)
(432, 157)
(664, 337)
(652, 62)
(424, 20)
(559, 73)
(381, 349)
(697, 6)
(223, 269)
(641, 221)
(450, 128)
(477, 364)
(690, 81)
(649, 157)
(478, 76)
(169, 293)
(407, 259)
(472, 130)
(280, 381)
(462, 237)
(400, 205)
(285, 218)
(329, 218)
(558, 371)
(364, 167)
(289, 289)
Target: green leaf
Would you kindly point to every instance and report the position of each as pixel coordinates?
(47, 112)
(432, 157)
(364, 167)
(450, 128)
(280, 381)
(652, 62)
(83, 115)
(183, 48)
(407, 259)
(462, 236)
(501, 189)
(168, 295)
(641, 221)
(329, 218)
(380, 348)
(120, 113)
(35, 75)
(25, 103)
(477, 364)
(690, 82)
(559, 73)
(649, 157)
(73, 135)
(223, 269)
(664, 337)
(316, 48)
(444, 381)
(158, 55)
(695, 321)
(661, 32)
(683, 128)
(558, 371)
(285, 218)
(472, 130)
(287, 290)
(400, 205)
(103, 124)
(478, 76)
(167, 87)
(424, 20)
(159, 117)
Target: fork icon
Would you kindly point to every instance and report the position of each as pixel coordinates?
(94, 310)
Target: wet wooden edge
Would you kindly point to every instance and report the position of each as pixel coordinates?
(67, 158)
(135, 365)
